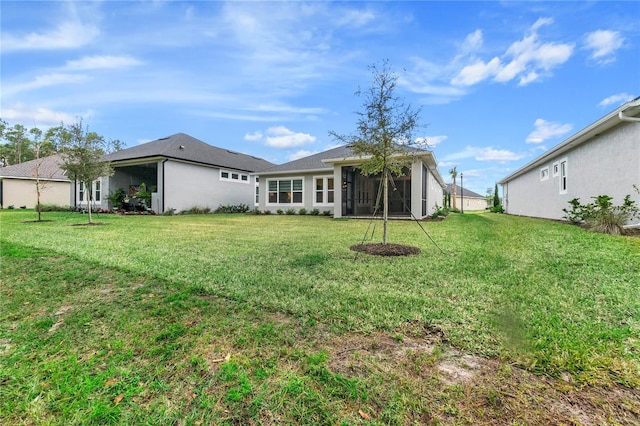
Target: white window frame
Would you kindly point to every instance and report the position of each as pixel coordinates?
(291, 179)
(564, 173)
(556, 169)
(83, 195)
(544, 173)
(234, 176)
(325, 190)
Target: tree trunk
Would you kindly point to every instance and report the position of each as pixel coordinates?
(89, 199)
(385, 211)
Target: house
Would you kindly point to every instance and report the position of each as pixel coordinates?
(466, 199)
(18, 183)
(601, 159)
(183, 172)
(331, 181)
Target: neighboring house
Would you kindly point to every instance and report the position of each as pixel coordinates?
(602, 159)
(466, 199)
(183, 172)
(331, 181)
(18, 183)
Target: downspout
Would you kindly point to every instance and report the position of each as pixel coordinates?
(163, 188)
(623, 117)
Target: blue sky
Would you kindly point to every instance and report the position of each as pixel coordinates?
(498, 82)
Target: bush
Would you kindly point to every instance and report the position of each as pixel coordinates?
(169, 212)
(11, 207)
(54, 208)
(280, 211)
(197, 210)
(255, 211)
(232, 208)
(496, 209)
(267, 212)
(601, 215)
(290, 211)
(326, 213)
(302, 211)
(23, 207)
(314, 212)
(439, 211)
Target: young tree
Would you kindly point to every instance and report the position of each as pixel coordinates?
(37, 144)
(454, 174)
(384, 132)
(496, 197)
(82, 155)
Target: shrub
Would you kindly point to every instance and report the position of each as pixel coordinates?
(267, 212)
(11, 207)
(290, 211)
(439, 211)
(326, 212)
(197, 210)
(54, 208)
(169, 212)
(302, 211)
(255, 211)
(232, 208)
(602, 215)
(314, 212)
(280, 211)
(496, 209)
(23, 207)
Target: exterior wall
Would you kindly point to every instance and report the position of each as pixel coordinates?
(471, 203)
(188, 185)
(435, 193)
(22, 192)
(609, 164)
(308, 192)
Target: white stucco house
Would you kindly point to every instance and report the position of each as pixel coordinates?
(18, 183)
(331, 181)
(183, 172)
(601, 159)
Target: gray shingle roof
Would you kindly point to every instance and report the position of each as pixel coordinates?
(467, 193)
(184, 147)
(49, 169)
(314, 162)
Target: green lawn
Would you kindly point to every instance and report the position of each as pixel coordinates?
(238, 319)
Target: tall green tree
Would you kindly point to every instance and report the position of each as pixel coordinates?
(496, 197)
(454, 174)
(384, 132)
(83, 155)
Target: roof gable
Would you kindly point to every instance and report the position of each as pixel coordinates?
(184, 147)
(49, 169)
(466, 193)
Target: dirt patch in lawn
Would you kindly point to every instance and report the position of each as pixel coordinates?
(380, 249)
(454, 385)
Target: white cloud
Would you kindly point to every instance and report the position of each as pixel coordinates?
(547, 130)
(102, 62)
(45, 80)
(527, 59)
(431, 141)
(253, 137)
(39, 116)
(481, 154)
(618, 99)
(67, 35)
(603, 44)
(281, 137)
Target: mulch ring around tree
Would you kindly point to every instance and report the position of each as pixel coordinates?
(379, 249)
(89, 224)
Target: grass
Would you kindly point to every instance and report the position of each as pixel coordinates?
(235, 319)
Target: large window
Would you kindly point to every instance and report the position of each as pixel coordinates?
(563, 176)
(81, 191)
(285, 191)
(93, 193)
(230, 176)
(324, 190)
(97, 192)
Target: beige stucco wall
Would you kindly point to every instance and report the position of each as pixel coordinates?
(22, 192)
(470, 203)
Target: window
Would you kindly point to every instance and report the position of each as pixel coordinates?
(92, 193)
(563, 176)
(544, 173)
(324, 190)
(556, 169)
(285, 191)
(81, 192)
(257, 194)
(97, 191)
(233, 176)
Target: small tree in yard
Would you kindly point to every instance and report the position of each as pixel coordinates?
(496, 197)
(454, 174)
(384, 132)
(83, 153)
(37, 172)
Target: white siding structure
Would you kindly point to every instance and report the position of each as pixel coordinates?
(602, 159)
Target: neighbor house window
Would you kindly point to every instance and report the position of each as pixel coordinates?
(81, 192)
(285, 191)
(556, 169)
(563, 176)
(324, 190)
(233, 176)
(544, 173)
(97, 191)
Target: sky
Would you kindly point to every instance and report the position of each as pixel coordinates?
(496, 83)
